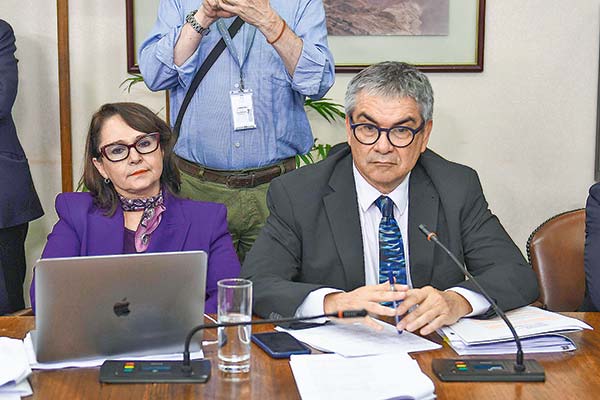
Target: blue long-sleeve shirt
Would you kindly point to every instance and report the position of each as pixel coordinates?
(207, 135)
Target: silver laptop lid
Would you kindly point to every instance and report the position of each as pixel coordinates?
(137, 304)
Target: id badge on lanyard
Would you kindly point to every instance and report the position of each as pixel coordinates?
(241, 98)
(242, 109)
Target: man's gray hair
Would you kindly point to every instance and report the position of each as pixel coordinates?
(394, 80)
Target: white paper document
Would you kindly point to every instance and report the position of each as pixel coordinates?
(551, 343)
(353, 340)
(15, 391)
(13, 361)
(97, 361)
(528, 321)
(14, 369)
(332, 377)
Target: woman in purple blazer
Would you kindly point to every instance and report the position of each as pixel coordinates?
(132, 205)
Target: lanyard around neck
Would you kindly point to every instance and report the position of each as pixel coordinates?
(239, 58)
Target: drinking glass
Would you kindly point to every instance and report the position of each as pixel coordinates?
(234, 305)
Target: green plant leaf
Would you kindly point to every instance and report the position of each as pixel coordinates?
(132, 80)
(305, 158)
(328, 109)
(81, 186)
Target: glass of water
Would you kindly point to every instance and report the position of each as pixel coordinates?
(234, 305)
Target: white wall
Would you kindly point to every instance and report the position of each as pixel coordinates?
(526, 124)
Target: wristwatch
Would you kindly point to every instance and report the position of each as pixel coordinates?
(197, 27)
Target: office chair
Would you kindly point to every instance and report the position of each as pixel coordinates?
(555, 251)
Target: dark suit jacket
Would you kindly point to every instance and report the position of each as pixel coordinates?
(84, 230)
(312, 238)
(19, 202)
(592, 250)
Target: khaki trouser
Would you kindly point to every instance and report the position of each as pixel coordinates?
(246, 208)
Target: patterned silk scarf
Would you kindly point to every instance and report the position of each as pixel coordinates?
(153, 208)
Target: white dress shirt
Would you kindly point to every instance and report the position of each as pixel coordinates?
(370, 217)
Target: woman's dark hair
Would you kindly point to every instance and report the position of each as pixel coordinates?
(141, 119)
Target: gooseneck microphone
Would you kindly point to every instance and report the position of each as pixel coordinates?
(188, 371)
(473, 370)
(186, 350)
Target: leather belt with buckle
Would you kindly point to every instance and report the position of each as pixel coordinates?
(237, 179)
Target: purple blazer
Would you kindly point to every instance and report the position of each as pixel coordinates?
(83, 230)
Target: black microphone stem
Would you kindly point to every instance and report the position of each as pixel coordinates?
(432, 236)
(188, 339)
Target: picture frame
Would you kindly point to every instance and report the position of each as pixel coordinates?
(132, 65)
(140, 17)
(462, 50)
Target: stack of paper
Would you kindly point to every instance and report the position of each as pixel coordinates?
(330, 377)
(368, 364)
(551, 343)
(538, 329)
(14, 369)
(353, 340)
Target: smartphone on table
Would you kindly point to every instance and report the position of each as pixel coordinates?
(279, 344)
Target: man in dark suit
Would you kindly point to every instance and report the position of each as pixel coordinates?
(19, 202)
(320, 248)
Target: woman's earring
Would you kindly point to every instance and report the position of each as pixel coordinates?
(106, 180)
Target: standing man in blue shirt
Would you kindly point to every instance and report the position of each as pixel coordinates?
(246, 121)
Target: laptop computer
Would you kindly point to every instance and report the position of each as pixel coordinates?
(133, 304)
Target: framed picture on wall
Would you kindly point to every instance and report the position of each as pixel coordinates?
(140, 16)
(435, 35)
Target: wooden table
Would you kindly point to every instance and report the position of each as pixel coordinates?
(568, 375)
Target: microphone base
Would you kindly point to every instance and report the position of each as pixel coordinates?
(487, 370)
(135, 371)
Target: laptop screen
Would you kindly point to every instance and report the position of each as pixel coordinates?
(140, 304)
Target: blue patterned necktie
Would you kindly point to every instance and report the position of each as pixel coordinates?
(391, 248)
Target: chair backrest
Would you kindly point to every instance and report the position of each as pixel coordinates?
(555, 251)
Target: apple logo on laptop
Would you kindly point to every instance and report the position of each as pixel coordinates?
(121, 308)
